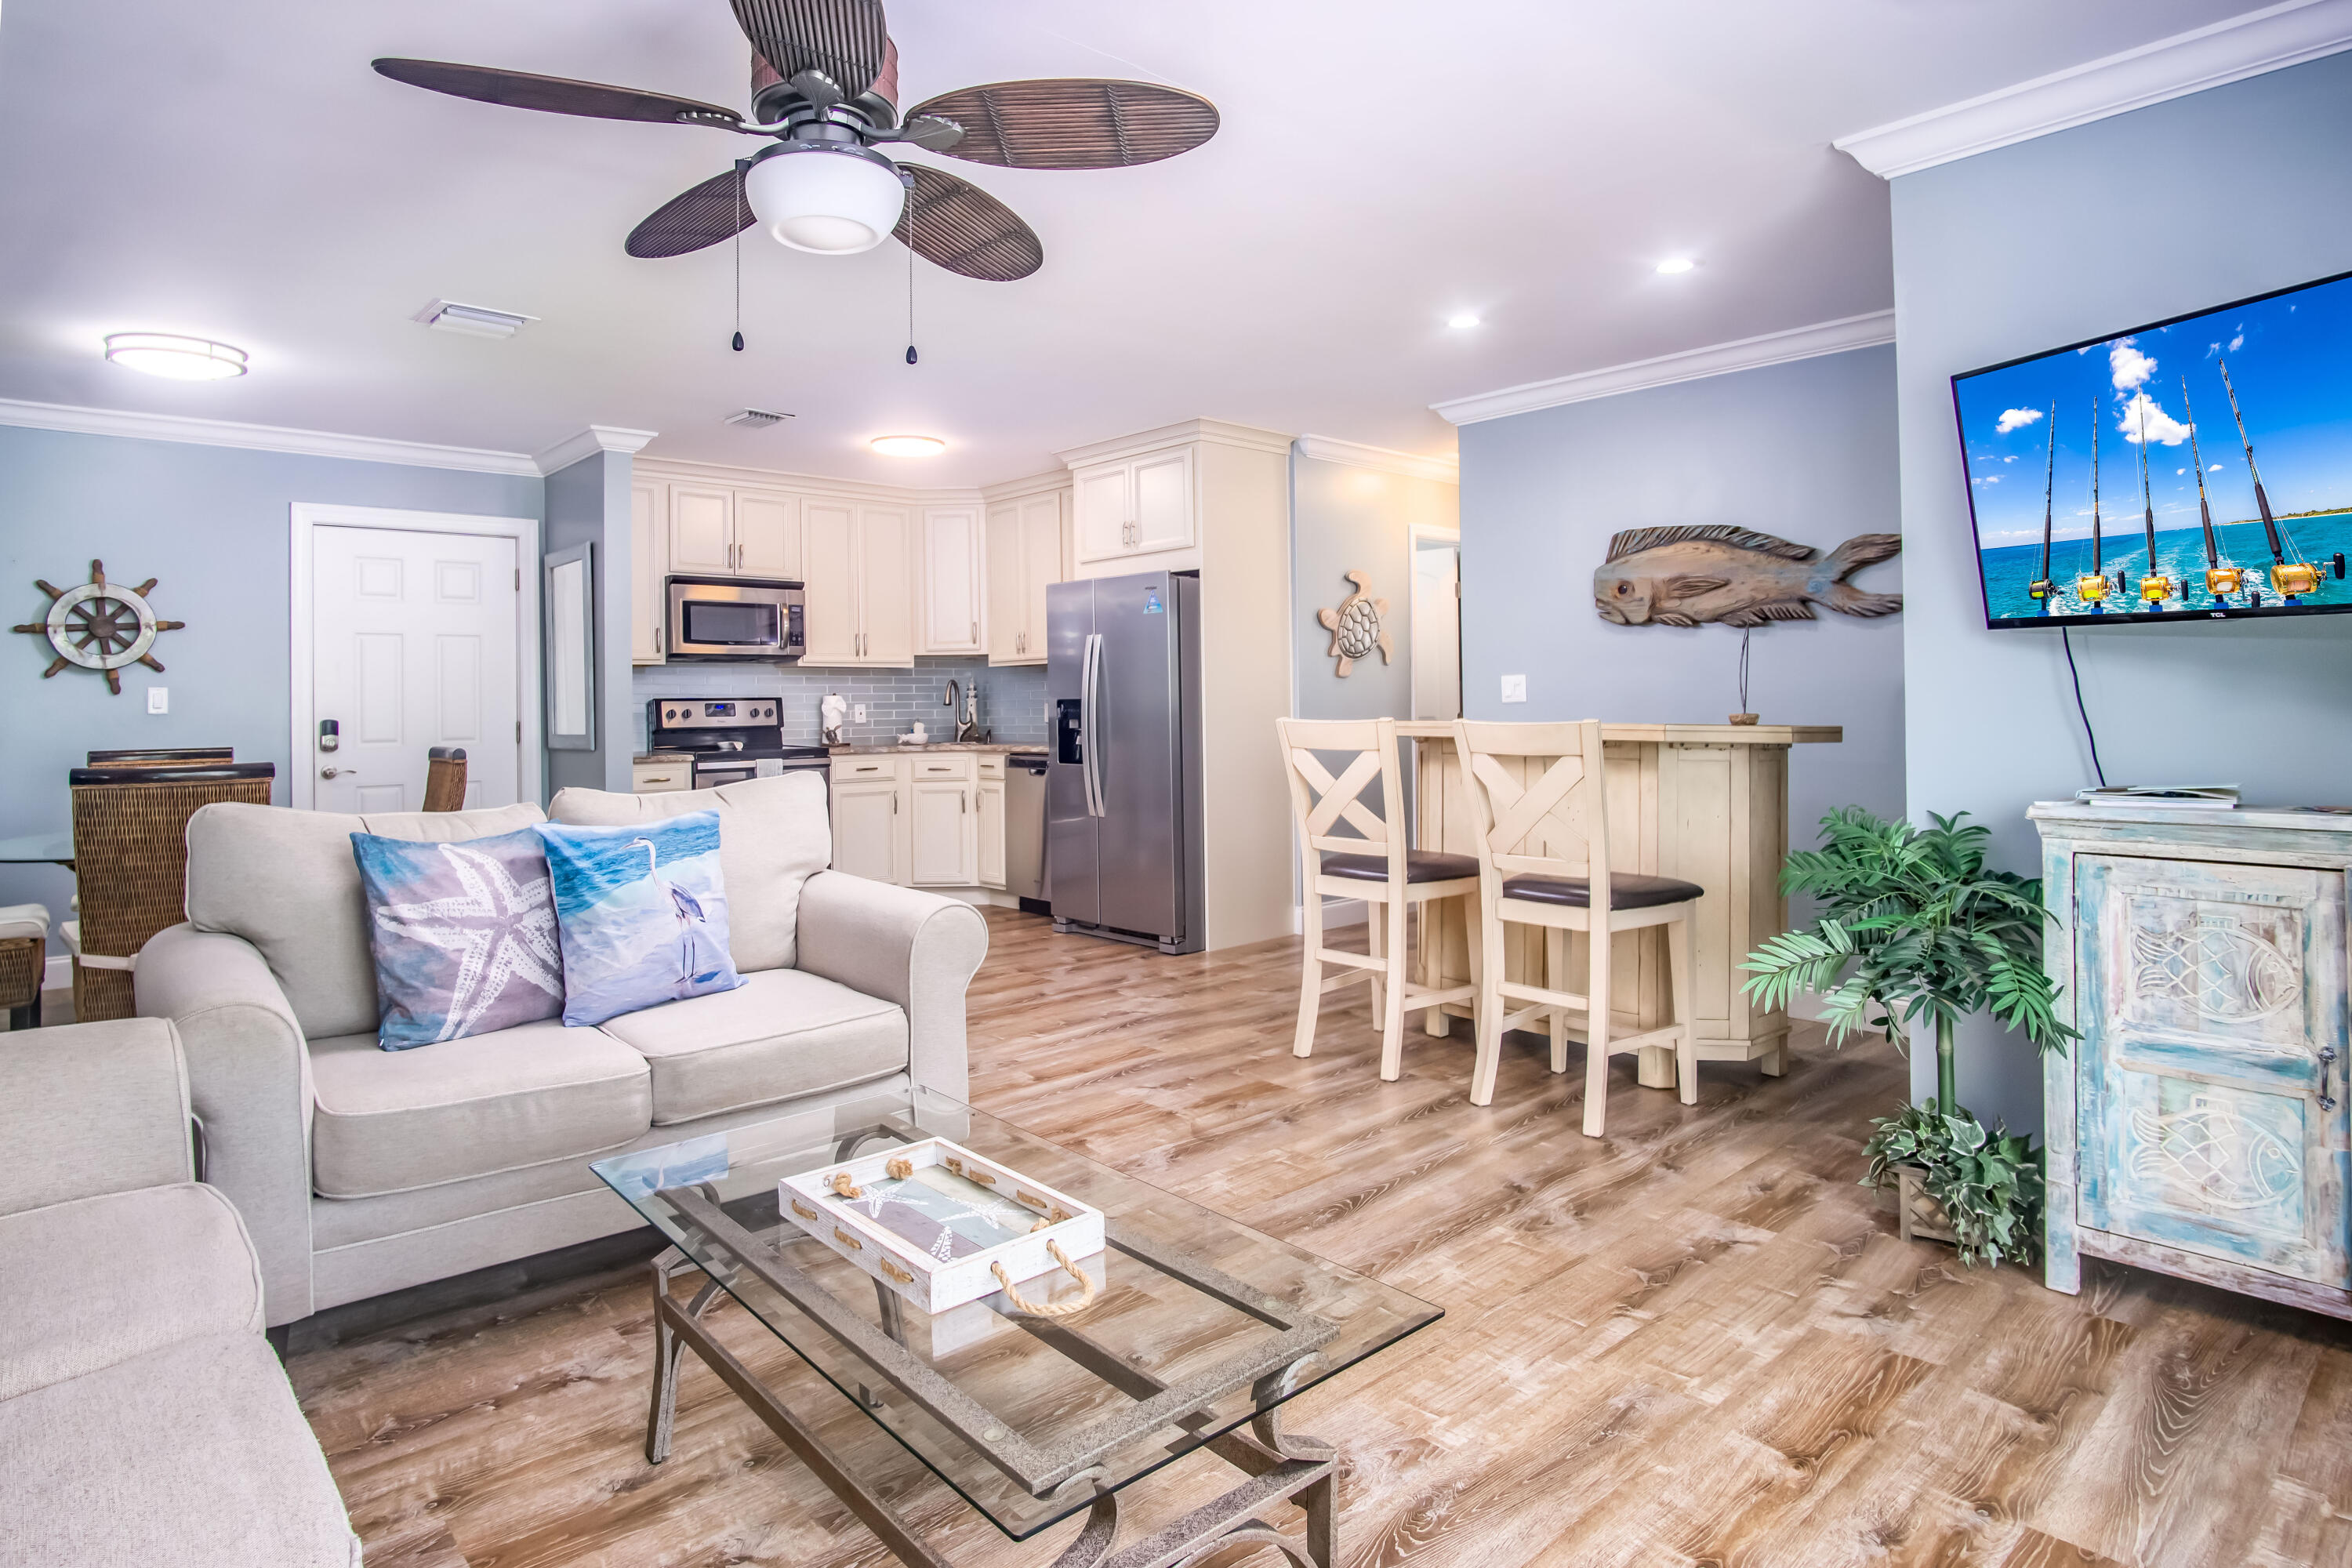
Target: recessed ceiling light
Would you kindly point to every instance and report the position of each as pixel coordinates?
(1462, 320)
(908, 446)
(169, 354)
(1674, 264)
(474, 320)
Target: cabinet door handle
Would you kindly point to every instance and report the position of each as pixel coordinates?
(2326, 1063)
(657, 638)
(975, 633)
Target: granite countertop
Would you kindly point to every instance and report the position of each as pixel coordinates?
(662, 757)
(999, 746)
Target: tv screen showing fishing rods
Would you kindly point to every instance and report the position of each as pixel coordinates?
(2198, 469)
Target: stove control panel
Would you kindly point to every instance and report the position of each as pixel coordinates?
(732, 713)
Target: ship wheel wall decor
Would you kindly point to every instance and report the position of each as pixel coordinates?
(1358, 626)
(100, 626)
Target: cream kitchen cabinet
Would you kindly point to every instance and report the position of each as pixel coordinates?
(869, 828)
(925, 819)
(722, 531)
(662, 777)
(649, 565)
(954, 568)
(1024, 558)
(701, 528)
(858, 564)
(945, 836)
(1134, 506)
(988, 815)
(767, 534)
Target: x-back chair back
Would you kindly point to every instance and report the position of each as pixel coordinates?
(1349, 849)
(1538, 802)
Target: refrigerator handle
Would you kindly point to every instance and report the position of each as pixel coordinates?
(1090, 723)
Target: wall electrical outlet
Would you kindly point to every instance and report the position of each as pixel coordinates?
(857, 713)
(1515, 688)
(159, 699)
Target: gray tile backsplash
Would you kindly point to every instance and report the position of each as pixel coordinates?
(1012, 697)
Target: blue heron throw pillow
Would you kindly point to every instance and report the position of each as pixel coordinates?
(463, 935)
(643, 911)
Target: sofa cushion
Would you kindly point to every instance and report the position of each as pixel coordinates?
(773, 834)
(100, 1280)
(782, 1035)
(387, 1121)
(464, 935)
(192, 1456)
(285, 881)
(643, 909)
(23, 921)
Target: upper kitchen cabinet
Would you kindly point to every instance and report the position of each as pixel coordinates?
(1024, 558)
(701, 528)
(859, 563)
(718, 530)
(649, 565)
(954, 568)
(767, 534)
(1136, 505)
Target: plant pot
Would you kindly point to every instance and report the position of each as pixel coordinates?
(1921, 1217)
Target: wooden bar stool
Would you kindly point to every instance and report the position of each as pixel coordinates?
(1375, 867)
(445, 779)
(1540, 820)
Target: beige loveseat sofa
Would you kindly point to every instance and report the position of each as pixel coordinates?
(143, 1419)
(360, 1171)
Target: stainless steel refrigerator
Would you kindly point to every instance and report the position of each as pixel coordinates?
(1123, 781)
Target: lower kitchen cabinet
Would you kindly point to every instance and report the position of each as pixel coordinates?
(940, 813)
(989, 813)
(868, 829)
(925, 819)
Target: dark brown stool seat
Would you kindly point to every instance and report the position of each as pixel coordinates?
(1626, 891)
(1420, 866)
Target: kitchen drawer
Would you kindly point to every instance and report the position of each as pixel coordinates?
(861, 769)
(937, 769)
(659, 778)
(991, 767)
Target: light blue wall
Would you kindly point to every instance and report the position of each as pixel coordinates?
(212, 525)
(2090, 231)
(588, 503)
(1344, 519)
(1805, 450)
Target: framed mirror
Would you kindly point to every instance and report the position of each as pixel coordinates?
(569, 599)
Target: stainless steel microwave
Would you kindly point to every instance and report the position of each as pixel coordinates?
(735, 617)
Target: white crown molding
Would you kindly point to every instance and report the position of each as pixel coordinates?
(1690, 364)
(588, 443)
(1034, 485)
(260, 437)
(1218, 432)
(2226, 51)
(734, 476)
(1386, 461)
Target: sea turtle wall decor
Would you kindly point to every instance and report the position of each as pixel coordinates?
(1358, 626)
(100, 626)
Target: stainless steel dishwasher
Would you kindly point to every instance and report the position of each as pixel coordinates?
(1024, 830)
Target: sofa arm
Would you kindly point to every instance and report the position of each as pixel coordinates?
(91, 1109)
(249, 1085)
(916, 949)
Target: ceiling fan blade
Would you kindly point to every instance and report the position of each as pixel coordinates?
(1073, 124)
(712, 211)
(555, 94)
(848, 40)
(956, 225)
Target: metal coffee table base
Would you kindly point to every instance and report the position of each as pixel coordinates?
(1298, 1467)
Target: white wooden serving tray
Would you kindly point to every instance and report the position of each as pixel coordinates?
(848, 1225)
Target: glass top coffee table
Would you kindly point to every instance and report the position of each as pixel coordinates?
(1200, 1330)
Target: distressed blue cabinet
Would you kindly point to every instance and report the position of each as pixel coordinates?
(2199, 1125)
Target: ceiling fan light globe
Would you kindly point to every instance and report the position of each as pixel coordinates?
(825, 200)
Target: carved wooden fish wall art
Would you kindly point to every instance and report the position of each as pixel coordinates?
(1716, 572)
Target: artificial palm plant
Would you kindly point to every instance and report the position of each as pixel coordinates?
(1915, 929)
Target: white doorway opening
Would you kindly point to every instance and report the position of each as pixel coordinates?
(412, 630)
(1436, 623)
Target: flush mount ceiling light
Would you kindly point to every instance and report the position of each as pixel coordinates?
(474, 320)
(908, 446)
(831, 200)
(1673, 265)
(179, 358)
(1462, 320)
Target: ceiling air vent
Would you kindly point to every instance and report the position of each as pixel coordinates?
(756, 418)
(474, 320)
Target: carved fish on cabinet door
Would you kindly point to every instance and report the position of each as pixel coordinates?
(1716, 572)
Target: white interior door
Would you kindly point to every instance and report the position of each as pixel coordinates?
(413, 644)
(1436, 630)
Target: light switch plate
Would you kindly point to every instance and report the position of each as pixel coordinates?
(1515, 688)
(159, 699)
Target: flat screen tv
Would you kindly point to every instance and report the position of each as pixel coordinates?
(2199, 468)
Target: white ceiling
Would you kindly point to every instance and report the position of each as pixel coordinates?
(233, 170)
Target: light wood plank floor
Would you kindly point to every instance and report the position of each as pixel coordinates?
(1695, 1341)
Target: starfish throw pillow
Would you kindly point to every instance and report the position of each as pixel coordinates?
(464, 936)
(644, 914)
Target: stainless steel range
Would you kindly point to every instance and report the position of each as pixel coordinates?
(729, 738)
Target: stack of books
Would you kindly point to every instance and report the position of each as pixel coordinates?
(2185, 797)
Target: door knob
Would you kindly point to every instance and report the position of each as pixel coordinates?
(332, 772)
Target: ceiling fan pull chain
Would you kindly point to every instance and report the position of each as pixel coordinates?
(910, 304)
(739, 255)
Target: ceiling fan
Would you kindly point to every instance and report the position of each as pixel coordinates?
(825, 86)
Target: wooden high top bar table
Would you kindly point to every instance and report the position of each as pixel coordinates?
(1707, 802)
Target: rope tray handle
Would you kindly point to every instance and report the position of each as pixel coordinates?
(1050, 1309)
